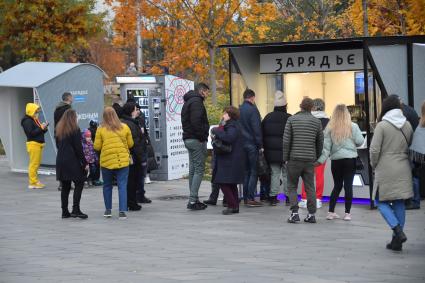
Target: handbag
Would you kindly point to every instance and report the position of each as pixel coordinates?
(263, 167)
(220, 147)
(359, 163)
(151, 162)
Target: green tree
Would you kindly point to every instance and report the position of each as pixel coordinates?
(47, 30)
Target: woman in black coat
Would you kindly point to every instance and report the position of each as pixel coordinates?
(128, 117)
(228, 168)
(71, 165)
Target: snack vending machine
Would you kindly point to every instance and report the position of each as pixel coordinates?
(161, 100)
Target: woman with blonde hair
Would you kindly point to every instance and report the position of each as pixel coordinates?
(342, 137)
(114, 140)
(71, 164)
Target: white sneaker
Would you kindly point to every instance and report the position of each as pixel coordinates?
(147, 180)
(303, 203)
(318, 203)
(332, 216)
(347, 217)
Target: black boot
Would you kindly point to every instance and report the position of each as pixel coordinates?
(395, 245)
(229, 211)
(273, 200)
(398, 239)
(65, 213)
(76, 212)
(210, 202)
(399, 234)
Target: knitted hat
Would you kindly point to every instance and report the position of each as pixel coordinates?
(279, 99)
(87, 134)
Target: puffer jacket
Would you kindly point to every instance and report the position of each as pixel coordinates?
(194, 117)
(303, 138)
(273, 127)
(114, 147)
(32, 126)
(347, 149)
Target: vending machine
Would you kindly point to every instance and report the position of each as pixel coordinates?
(161, 100)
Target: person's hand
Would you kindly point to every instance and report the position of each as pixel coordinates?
(45, 125)
(86, 168)
(261, 150)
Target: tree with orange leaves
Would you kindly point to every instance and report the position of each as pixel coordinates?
(47, 30)
(390, 17)
(189, 31)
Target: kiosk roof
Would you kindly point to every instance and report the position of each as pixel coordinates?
(35, 74)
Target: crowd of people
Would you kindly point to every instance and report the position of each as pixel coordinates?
(297, 146)
(116, 149)
(293, 147)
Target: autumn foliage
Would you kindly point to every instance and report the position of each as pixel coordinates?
(47, 30)
(182, 36)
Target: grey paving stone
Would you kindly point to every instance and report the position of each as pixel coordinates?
(167, 243)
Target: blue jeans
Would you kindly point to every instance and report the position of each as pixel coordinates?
(394, 212)
(122, 178)
(416, 200)
(250, 182)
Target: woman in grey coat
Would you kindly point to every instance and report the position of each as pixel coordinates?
(390, 161)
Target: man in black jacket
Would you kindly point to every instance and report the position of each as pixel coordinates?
(250, 121)
(195, 135)
(64, 105)
(273, 127)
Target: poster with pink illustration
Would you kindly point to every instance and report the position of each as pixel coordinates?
(178, 159)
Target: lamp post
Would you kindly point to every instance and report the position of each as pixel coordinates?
(139, 39)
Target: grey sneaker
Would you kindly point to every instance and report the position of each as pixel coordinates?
(122, 215)
(107, 213)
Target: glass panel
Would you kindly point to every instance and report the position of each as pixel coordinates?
(358, 110)
(238, 85)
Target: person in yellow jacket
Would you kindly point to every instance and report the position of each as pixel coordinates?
(114, 140)
(35, 131)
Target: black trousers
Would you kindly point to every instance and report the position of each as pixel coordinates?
(66, 188)
(94, 172)
(343, 171)
(133, 184)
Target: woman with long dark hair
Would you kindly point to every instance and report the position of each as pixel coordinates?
(114, 141)
(389, 158)
(71, 163)
(228, 171)
(128, 117)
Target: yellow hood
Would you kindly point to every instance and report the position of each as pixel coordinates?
(31, 109)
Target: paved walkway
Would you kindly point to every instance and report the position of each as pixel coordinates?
(167, 243)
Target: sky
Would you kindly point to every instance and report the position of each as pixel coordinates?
(101, 7)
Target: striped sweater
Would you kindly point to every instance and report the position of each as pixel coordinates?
(303, 138)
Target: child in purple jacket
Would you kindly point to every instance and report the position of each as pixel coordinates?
(92, 159)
